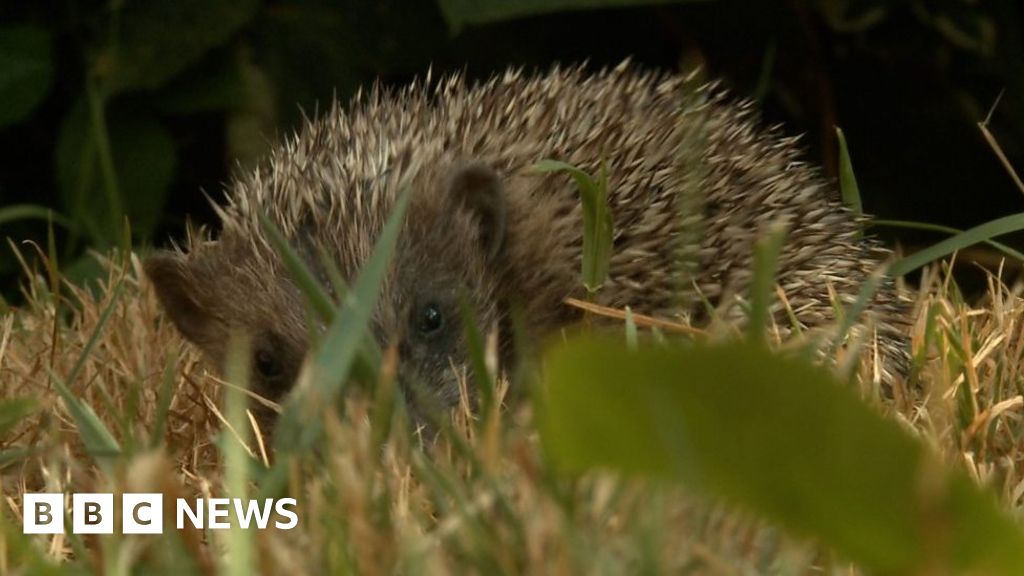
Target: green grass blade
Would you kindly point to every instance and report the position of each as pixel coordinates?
(241, 555)
(766, 262)
(163, 407)
(632, 335)
(597, 220)
(115, 297)
(98, 440)
(847, 181)
(980, 233)
(779, 437)
(15, 212)
(912, 225)
(475, 351)
(330, 363)
(849, 316)
(303, 277)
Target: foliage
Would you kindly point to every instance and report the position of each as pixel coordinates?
(135, 108)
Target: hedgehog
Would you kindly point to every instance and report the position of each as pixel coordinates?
(485, 228)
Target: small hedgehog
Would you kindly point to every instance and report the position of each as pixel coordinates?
(484, 224)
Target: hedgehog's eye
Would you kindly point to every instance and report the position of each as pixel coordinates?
(268, 365)
(429, 319)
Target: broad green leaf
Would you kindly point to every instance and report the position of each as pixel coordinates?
(847, 181)
(980, 233)
(459, 13)
(214, 84)
(158, 40)
(26, 70)
(779, 437)
(145, 159)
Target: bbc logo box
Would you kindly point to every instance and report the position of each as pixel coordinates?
(93, 513)
(143, 513)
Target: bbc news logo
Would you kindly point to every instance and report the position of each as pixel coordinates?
(143, 513)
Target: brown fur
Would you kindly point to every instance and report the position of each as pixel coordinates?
(483, 223)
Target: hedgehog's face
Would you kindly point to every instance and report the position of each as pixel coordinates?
(448, 253)
(449, 257)
(223, 288)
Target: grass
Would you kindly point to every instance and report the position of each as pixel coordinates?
(97, 370)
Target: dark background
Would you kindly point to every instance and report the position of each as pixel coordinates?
(138, 107)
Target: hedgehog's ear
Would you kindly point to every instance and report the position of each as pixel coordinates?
(478, 188)
(180, 294)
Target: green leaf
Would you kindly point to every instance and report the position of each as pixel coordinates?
(158, 40)
(459, 13)
(980, 233)
(779, 437)
(847, 181)
(26, 71)
(145, 158)
(597, 220)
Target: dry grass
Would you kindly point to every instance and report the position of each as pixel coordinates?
(481, 501)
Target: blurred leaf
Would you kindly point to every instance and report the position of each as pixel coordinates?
(12, 411)
(16, 212)
(777, 436)
(26, 70)
(157, 40)
(234, 447)
(459, 13)
(213, 84)
(980, 233)
(144, 155)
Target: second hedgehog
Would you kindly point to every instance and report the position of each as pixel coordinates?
(483, 224)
